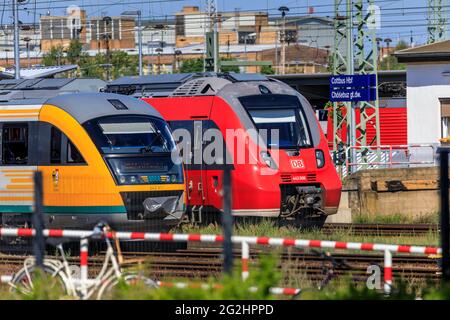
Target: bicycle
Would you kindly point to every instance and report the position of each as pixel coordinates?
(328, 271)
(69, 276)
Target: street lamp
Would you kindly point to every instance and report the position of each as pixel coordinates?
(138, 14)
(245, 46)
(283, 10)
(388, 42)
(177, 54)
(27, 41)
(159, 51)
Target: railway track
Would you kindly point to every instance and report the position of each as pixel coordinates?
(202, 263)
(378, 229)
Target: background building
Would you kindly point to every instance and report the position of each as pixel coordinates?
(61, 30)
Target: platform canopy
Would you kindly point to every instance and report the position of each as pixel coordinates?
(36, 72)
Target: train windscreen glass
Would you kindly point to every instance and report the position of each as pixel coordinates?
(280, 113)
(138, 149)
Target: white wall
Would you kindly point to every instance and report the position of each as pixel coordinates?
(426, 85)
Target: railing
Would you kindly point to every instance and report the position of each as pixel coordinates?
(389, 156)
(244, 241)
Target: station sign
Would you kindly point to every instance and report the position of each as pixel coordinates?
(353, 88)
(353, 94)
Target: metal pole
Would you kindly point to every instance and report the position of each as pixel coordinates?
(227, 222)
(16, 39)
(283, 48)
(38, 221)
(387, 272)
(351, 70)
(245, 257)
(140, 42)
(445, 232)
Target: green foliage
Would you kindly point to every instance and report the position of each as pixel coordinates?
(74, 52)
(45, 287)
(391, 62)
(54, 57)
(231, 287)
(352, 291)
(267, 70)
(229, 68)
(191, 65)
(396, 218)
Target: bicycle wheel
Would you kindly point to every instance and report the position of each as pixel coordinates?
(129, 279)
(23, 281)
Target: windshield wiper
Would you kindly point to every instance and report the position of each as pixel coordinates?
(148, 148)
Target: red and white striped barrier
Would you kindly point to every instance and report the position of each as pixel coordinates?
(186, 285)
(279, 242)
(387, 249)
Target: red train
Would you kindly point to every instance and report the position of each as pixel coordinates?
(280, 159)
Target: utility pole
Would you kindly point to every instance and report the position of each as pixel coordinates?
(137, 13)
(16, 39)
(342, 64)
(212, 62)
(365, 53)
(283, 10)
(437, 21)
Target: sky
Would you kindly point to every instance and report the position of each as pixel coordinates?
(398, 17)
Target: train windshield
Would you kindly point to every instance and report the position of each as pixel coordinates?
(279, 119)
(131, 134)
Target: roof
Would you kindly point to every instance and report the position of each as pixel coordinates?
(87, 106)
(22, 89)
(438, 52)
(176, 84)
(37, 72)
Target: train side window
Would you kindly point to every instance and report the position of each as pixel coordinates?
(15, 143)
(55, 145)
(73, 155)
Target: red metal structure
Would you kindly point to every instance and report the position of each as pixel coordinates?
(292, 177)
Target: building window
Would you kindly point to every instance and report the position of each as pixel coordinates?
(15, 143)
(445, 118)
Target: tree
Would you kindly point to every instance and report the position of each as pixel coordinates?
(267, 70)
(391, 62)
(192, 65)
(74, 51)
(54, 57)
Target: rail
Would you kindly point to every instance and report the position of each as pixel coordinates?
(244, 241)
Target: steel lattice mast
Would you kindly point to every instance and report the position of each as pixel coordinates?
(366, 54)
(361, 57)
(341, 64)
(437, 20)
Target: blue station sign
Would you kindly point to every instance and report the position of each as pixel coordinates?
(353, 88)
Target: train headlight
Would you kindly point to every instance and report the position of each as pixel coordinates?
(173, 178)
(320, 159)
(268, 160)
(133, 179)
(122, 179)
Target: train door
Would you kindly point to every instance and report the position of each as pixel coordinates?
(66, 175)
(191, 148)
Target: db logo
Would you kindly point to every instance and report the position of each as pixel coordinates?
(297, 164)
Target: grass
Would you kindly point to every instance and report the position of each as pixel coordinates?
(432, 218)
(267, 228)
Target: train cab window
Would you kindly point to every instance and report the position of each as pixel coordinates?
(55, 145)
(15, 143)
(73, 155)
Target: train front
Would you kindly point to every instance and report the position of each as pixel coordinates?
(292, 176)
